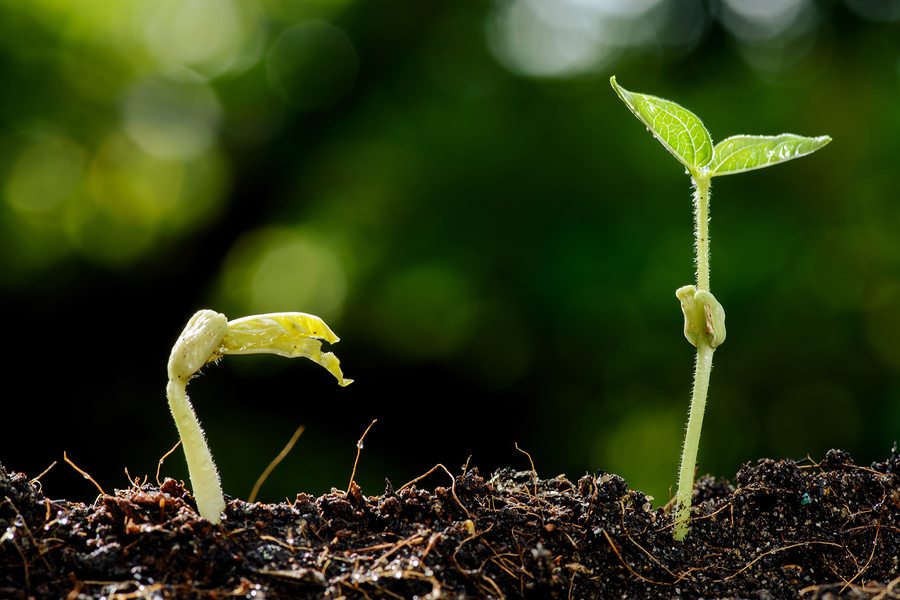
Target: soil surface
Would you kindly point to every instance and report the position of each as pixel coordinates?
(780, 530)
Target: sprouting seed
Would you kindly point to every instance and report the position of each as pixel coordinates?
(685, 137)
(207, 337)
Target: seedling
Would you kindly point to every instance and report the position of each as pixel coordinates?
(682, 133)
(207, 337)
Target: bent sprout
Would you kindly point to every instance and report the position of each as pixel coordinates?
(207, 337)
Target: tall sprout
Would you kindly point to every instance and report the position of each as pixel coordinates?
(682, 133)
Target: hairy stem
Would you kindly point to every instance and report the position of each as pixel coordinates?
(692, 440)
(701, 229)
(702, 368)
(199, 343)
(201, 468)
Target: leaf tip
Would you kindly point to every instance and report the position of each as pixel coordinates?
(623, 94)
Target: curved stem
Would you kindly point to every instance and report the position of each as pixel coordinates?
(692, 440)
(208, 336)
(201, 468)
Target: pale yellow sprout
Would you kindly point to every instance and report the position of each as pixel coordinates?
(288, 334)
(206, 338)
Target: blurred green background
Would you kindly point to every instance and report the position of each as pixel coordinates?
(456, 189)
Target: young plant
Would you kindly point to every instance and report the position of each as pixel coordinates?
(207, 337)
(682, 133)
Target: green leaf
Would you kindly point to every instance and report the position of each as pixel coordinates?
(747, 152)
(678, 129)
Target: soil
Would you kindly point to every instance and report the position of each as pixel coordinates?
(781, 530)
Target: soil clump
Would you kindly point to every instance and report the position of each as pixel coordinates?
(780, 530)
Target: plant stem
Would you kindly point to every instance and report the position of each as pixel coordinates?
(701, 228)
(201, 468)
(702, 368)
(197, 345)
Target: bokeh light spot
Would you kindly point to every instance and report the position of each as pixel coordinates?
(313, 65)
(210, 36)
(762, 19)
(644, 448)
(134, 187)
(137, 198)
(171, 119)
(567, 38)
(279, 269)
(531, 42)
(46, 175)
(424, 312)
(876, 10)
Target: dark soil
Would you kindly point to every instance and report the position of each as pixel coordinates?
(782, 530)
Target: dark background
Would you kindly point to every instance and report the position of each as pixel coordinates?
(456, 190)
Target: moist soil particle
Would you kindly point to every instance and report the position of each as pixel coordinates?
(781, 530)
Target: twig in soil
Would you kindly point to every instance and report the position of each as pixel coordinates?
(374, 548)
(136, 481)
(11, 537)
(21, 519)
(868, 562)
(300, 575)
(164, 457)
(885, 592)
(534, 475)
(359, 447)
(381, 590)
(813, 464)
(676, 578)
(500, 564)
(412, 540)
(83, 472)
(471, 537)
(612, 545)
(494, 585)
(776, 551)
(268, 470)
(434, 539)
(142, 591)
(44, 472)
(508, 566)
(889, 589)
(284, 544)
(452, 485)
(816, 465)
(521, 556)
